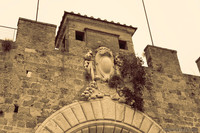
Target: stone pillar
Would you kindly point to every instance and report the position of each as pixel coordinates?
(198, 63)
(162, 59)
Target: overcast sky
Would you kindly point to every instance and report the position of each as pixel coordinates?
(175, 24)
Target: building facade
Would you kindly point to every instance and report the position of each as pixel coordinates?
(43, 82)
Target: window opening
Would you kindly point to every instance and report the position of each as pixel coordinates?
(123, 45)
(79, 36)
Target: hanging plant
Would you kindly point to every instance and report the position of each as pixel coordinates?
(6, 45)
(132, 71)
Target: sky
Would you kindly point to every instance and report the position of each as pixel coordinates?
(175, 24)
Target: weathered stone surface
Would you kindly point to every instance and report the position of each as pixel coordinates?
(78, 112)
(30, 50)
(52, 126)
(30, 124)
(108, 108)
(88, 111)
(108, 129)
(120, 111)
(99, 128)
(128, 115)
(62, 122)
(137, 119)
(98, 113)
(154, 129)
(146, 125)
(70, 116)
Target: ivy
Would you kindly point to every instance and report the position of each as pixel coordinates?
(131, 72)
(134, 72)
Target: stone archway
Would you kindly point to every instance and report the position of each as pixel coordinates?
(98, 116)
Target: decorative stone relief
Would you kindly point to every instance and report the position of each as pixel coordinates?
(101, 66)
(104, 63)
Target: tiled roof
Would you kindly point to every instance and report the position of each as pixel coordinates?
(91, 17)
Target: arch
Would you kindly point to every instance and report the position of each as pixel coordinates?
(100, 115)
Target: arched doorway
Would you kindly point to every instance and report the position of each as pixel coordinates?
(98, 116)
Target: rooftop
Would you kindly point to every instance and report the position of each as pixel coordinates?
(92, 18)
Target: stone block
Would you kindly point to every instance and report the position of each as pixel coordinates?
(28, 50)
(2, 100)
(24, 110)
(108, 129)
(118, 130)
(78, 112)
(108, 108)
(62, 122)
(21, 124)
(146, 125)
(154, 129)
(124, 131)
(70, 116)
(7, 127)
(30, 124)
(137, 119)
(9, 100)
(99, 128)
(88, 111)
(53, 127)
(35, 112)
(120, 111)
(3, 121)
(3, 131)
(96, 105)
(92, 129)
(8, 115)
(128, 115)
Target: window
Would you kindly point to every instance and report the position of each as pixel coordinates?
(79, 36)
(123, 45)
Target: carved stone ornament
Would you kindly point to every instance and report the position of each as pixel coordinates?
(101, 68)
(104, 63)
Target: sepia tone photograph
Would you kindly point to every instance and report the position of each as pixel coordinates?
(117, 66)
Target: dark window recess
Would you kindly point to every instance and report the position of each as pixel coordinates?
(79, 35)
(16, 108)
(1, 113)
(123, 45)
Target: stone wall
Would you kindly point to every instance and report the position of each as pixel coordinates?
(171, 98)
(35, 79)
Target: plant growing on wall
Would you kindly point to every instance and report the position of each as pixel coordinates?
(131, 70)
(6, 45)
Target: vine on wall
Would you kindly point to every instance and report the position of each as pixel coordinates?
(131, 70)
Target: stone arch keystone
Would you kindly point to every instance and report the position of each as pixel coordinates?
(98, 116)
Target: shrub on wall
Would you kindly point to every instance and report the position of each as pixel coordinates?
(131, 71)
(6, 45)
